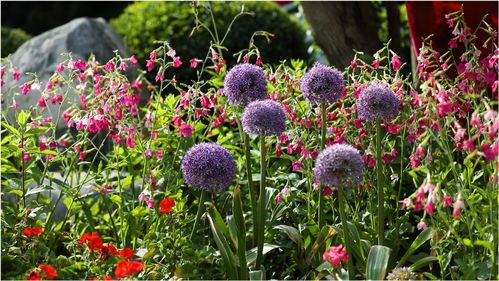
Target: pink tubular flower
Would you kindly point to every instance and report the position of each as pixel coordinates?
(296, 166)
(25, 88)
(153, 55)
(186, 130)
(278, 198)
(396, 63)
(429, 208)
(448, 200)
(130, 142)
(159, 154)
(177, 62)
(150, 203)
(421, 225)
(109, 66)
(327, 191)
(336, 256)
(26, 156)
(193, 63)
(458, 206)
(149, 65)
(133, 60)
(142, 197)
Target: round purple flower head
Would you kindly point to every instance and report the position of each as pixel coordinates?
(339, 165)
(208, 166)
(377, 101)
(322, 84)
(264, 118)
(245, 83)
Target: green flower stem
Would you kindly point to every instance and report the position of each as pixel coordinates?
(323, 144)
(261, 201)
(201, 209)
(346, 232)
(381, 199)
(247, 156)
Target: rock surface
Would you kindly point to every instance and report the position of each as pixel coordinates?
(41, 54)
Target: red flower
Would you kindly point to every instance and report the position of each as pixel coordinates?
(127, 253)
(35, 275)
(93, 241)
(49, 270)
(35, 231)
(127, 268)
(166, 205)
(107, 277)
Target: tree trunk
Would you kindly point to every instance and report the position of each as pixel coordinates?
(341, 27)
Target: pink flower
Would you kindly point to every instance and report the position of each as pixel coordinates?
(142, 197)
(186, 130)
(171, 53)
(468, 144)
(429, 208)
(123, 66)
(26, 156)
(490, 152)
(150, 203)
(42, 103)
(327, 191)
(109, 66)
(148, 153)
(82, 156)
(26, 87)
(133, 60)
(194, 63)
(153, 55)
(278, 198)
(296, 166)
(406, 203)
(413, 159)
(394, 153)
(149, 65)
(458, 206)
(159, 154)
(421, 225)
(159, 76)
(177, 62)
(154, 134)
(453, 44)
(130, 142)
(60, 67)
(16, 75)
(396, 63)
(336, 256)
(105, 189)
(448, 200)
(259, 60)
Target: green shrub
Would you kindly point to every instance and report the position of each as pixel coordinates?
(12, 38)
(144, 22)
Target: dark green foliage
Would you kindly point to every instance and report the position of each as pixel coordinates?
(12, 38)
(144, 22)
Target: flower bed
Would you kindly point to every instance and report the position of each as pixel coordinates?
(261, 171)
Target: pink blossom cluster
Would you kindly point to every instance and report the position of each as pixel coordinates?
(336, 256)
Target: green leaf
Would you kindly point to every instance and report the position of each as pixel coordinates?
(251, 254)
(424, 236)
(11, 129)
(238, 216)
(222, 244)
(422, 262)
(377, 261)
(38, 190)
(294, 235)
(326, 233)
(22, 118)
(140, 211)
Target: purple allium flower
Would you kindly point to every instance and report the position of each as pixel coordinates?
(377, 101)
(208, 166)
(264, 118)
(339, 165)
(322, 84)
(245, 83)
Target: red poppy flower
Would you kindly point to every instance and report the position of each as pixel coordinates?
(49, 270)
(166, 205)
(127, 268)
(107, 278)
(93, 241)
(111, 249)
(35, 231)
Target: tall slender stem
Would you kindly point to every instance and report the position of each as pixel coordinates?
(247, 156)
(346, 232)
(323, 144)
(201, 208)
(381, 199)
(261, 201)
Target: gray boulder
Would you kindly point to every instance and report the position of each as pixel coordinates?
(42, 54)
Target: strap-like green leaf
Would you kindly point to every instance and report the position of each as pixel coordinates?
(377, 261)
(424, 236)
